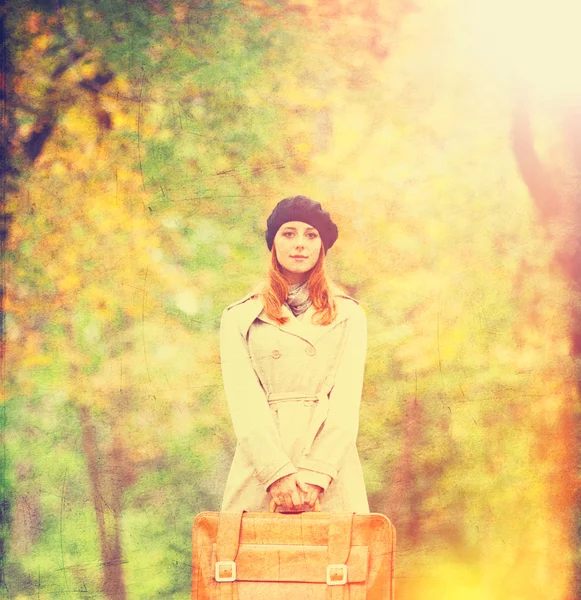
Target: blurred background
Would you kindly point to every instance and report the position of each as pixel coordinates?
(147, 143)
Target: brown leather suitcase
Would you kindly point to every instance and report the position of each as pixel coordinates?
(305, 556)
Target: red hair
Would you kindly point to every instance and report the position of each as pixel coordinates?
(276, 291)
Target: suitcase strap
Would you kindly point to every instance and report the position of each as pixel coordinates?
(228, 541)
(339, 547)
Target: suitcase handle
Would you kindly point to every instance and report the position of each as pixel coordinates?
(293, 511)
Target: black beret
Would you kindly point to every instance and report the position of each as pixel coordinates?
(301, 208)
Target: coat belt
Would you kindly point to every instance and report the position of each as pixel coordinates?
(308, 399)
(320, 399)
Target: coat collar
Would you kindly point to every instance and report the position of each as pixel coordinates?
(251, 307)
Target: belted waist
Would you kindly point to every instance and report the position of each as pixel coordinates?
(319, 400)
(307, 399)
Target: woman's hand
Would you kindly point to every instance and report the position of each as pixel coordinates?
(310, 490)
(286, 492)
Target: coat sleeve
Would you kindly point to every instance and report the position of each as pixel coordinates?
(339, 431)
(251, 416)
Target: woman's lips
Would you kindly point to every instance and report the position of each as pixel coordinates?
(298, 257)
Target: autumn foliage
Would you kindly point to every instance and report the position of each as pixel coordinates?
(148, 143)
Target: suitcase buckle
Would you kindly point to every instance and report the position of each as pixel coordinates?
(336, 574)
(225, 571)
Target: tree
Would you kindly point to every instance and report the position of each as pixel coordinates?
(558, 210)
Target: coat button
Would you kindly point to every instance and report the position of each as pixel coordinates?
(310, 350)
(275, 354)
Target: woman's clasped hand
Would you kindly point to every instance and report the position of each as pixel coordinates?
(293, 492)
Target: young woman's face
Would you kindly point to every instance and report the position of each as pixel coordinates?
(297, 246)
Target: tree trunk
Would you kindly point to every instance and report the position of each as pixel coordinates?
(570, 257)
(560, 215)
(404, 493)
(107, 492)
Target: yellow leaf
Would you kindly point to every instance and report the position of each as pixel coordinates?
(69, 283)
(88, 70)
(41, 42)
(78, 121)
(58, 169)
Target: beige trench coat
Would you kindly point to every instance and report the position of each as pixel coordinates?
(294, 392)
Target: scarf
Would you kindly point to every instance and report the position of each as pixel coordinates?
(298, 298)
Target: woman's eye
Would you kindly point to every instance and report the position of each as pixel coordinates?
(313, 236)
(287, 233)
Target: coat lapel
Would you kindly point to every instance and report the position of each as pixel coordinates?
(344, 310)
(304, 327)
(251, 307)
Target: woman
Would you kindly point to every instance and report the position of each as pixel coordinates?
(292, 358)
